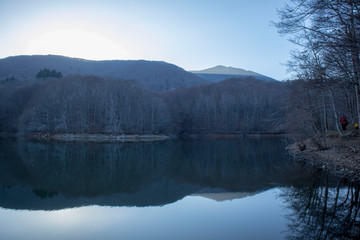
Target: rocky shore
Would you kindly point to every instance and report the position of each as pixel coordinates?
(339, 156)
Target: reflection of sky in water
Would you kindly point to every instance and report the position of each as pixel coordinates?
(256, 217)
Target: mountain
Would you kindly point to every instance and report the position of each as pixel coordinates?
(219, 73)
(154, 75)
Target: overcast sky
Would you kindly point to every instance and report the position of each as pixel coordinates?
(193, 34)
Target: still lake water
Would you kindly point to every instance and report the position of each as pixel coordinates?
(194, 189)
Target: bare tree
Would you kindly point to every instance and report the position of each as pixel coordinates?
(327, 34)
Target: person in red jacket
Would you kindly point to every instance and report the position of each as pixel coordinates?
(343, 122)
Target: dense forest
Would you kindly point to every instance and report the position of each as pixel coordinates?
(82, 105)
(90, 104)
(233, 105)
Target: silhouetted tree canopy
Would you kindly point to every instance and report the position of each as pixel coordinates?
(88, 104)
(47, 73)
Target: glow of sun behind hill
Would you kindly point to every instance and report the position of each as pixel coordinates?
(76, 43)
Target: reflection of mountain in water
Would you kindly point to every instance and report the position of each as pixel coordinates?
(220, 195)
(59, 175)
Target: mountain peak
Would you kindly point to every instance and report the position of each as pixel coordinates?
(220, 69)
(220, 72)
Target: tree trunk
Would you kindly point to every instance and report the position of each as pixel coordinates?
(334, 112)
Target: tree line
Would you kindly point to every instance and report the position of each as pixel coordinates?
(234, 105)
(88, 104)
(81, 104)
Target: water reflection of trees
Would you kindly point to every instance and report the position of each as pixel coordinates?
(169, 169)
(320, 210)
(235, 165)
(79, 169)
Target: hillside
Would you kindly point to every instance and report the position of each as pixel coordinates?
(94, 97)
(154, 75)
(220, 73)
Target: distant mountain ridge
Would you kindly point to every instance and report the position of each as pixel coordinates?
(219, 73)
(154, 75)
(220, 69)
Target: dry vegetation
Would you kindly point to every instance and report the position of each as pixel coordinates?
(340, 156)
(94, 105)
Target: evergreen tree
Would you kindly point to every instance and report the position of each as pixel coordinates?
(47, 73)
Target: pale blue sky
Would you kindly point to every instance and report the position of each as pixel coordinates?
(193, 34)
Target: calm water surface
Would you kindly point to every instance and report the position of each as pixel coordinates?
(195, 189)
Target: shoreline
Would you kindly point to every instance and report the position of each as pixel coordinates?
(104, 137)
(99, 138)
(338, 156)
(88, 137)
(230, 135)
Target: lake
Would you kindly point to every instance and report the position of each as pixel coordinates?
(176, 189)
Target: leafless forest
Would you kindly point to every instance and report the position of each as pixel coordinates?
(326, 63)
(87, 104)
